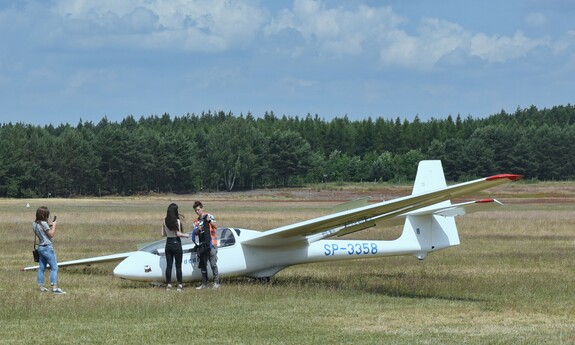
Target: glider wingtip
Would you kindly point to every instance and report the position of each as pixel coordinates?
(484, 201)
(511, 177)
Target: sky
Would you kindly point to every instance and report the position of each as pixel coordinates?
(72, 61)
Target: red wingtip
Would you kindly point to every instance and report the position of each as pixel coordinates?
(511, 177)
(484, 201)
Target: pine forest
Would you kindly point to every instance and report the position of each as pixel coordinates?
(218, 151)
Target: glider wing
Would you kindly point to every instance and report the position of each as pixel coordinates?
(379, 211)
(87, 261)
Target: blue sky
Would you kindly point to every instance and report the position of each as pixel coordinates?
(63, 61)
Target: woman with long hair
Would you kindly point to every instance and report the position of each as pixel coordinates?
(172, 229)
(45, 233)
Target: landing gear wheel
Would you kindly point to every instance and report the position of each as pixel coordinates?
(265, 280)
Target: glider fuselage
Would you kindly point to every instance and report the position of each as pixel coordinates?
(235, 259)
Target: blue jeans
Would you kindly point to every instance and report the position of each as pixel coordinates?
(47, 257)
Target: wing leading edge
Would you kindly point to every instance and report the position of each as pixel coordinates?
(87, 261)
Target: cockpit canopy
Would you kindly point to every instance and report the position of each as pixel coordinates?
(226, 238)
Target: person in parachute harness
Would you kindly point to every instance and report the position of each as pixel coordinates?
(205, 229)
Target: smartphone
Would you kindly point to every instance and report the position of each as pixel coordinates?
(54, 219)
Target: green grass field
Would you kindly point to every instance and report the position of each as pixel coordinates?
(511, 281)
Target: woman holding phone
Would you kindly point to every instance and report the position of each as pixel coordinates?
(45, 233)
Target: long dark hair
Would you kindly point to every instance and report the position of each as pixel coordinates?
(172, 217)
(42, 214)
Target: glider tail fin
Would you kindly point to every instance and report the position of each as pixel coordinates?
(426, 227)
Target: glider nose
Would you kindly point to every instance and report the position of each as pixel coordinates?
(140, 266)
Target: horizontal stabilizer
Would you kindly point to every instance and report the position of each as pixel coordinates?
(459, 209)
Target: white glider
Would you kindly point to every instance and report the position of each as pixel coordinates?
(428, 217)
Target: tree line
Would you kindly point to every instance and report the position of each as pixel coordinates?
(216, 151)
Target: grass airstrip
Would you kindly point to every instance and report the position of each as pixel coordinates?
(511, 281)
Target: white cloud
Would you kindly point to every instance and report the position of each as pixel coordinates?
(503, 48)
(335, 30)
(342, 31)
(198, 25)
(435, 39)
(219, 25)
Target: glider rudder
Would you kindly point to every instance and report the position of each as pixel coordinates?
(432, 232)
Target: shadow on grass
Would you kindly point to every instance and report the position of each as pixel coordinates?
(87, 270)
(379, 284)
(400, 285)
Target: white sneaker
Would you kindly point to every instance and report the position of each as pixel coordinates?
(180, 287)
(216, 286)
(169, 287)
(58, 291)
(44, 289)
(201, 287)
